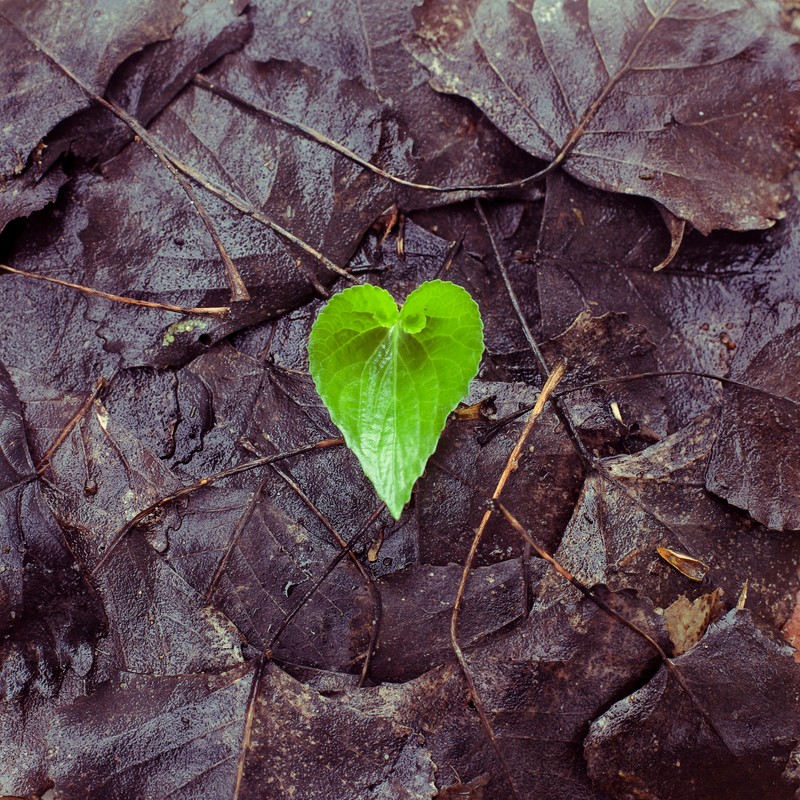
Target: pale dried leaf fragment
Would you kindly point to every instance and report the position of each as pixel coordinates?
(687, 620)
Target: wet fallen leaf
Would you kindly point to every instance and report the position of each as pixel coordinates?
(634, 504)
(90, 41)
(654, 744)
(559, 79)
(762, 410)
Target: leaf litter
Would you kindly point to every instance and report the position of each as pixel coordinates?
(198, 590)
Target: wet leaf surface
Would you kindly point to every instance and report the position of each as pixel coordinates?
(661, 747)
(522, 678)
(758, 415)
(635, 504)
(172, 735)
(596, 253)
(444, 141)
(351, 752)
(410, 642)
(178, 615)
(661, 100)
(90, 40)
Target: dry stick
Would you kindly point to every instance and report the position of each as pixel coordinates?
(598, 601)
(203, 82)
(589, 461)
(563, 415)
(235, 283)
(551, 383)
(203, 482)
(267, 653)
(99, 385)
(213, 311)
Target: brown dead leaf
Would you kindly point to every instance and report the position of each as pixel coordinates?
(686, 620)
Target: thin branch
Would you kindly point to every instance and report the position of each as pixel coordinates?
(214, 311)
(551, 383)
(205, 83)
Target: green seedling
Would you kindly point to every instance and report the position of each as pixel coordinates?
(389, 378)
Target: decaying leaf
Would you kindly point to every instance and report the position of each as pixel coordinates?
(330, 748)
(39, 91)
(409, 643)
(444, 141)
(695, 108)
(755, 460)
(686, 621)
(634, 504)
(692, 568)
(655, 744)
(521, 678)
(142, 735)
(696, 311)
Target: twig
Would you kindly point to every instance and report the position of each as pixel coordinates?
(248, 209)
(99, 385)
(214, 311)
(551, 383)
(544, 370)
(205, 83)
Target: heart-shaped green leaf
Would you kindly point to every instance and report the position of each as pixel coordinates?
(389, 378)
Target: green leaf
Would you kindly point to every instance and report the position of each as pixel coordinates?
(389, 378)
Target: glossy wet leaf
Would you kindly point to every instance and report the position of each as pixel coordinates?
(755, 460)
(636, 504)
(390, 378)
(654, 743)
(694, 106)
